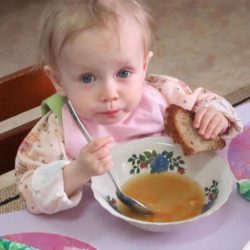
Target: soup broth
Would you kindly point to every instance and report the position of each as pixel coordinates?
(171, 196)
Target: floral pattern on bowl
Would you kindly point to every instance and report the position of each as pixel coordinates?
(157, 162)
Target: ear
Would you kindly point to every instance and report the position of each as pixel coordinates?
(147, 60)
(54, 77)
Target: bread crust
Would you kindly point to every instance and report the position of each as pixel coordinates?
(179, 126)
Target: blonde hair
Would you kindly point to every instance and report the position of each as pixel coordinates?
(63, 20)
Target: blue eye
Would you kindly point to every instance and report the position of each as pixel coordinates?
(87, 78)
(124, 73)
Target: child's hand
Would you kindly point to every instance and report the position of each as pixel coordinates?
(94, 159)
(210, 122)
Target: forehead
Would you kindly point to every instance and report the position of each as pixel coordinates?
(124, 38)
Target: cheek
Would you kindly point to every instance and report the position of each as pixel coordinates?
(82, 102)
(134, 95)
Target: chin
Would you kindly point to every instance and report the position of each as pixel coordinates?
(111, 120)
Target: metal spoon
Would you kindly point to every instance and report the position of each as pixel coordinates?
(130, 202)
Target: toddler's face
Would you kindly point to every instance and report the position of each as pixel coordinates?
(103, 75)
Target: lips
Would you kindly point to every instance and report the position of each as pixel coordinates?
(110, 112)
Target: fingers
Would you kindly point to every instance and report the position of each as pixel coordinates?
(213, 127)
(99, 143)
(219, 129)
(203, 119)
(210, 122)
(198, 117)
(95, 157)
(100, 167)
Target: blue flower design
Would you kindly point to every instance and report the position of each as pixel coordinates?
(159, 164)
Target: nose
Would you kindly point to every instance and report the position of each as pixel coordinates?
(109, 91)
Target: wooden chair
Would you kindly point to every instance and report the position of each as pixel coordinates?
(19, 92)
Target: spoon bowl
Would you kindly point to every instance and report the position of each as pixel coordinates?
(128, 201)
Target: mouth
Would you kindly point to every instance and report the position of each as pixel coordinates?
(110, 112)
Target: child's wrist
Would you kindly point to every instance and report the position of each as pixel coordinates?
(78, 170)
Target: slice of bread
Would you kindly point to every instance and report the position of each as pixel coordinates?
(179, 126)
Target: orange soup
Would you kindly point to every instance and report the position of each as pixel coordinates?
(171, 196)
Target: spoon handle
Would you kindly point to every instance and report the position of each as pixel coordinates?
(87, 135)
(78, 121)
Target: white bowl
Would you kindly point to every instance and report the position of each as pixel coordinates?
(208, 169)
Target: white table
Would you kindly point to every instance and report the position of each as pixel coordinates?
(227, 229)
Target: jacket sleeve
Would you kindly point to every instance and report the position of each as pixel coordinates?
(39, 168)
(177, 92)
